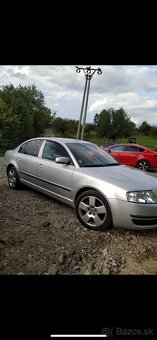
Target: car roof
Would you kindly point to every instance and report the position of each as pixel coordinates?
(130, 144)
(60, 139)
(109, 144)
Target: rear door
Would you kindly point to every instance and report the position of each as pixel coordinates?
(132, 154)
(27, 161)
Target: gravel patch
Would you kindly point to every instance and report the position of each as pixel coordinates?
(41, 236)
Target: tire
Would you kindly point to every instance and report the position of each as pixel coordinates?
(13, 178)
(87, 208)
(143, 165)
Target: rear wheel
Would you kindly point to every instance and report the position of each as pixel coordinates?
(143, 165)
(13, 178)
(93, 210)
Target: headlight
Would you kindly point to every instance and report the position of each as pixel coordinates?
(148, 197)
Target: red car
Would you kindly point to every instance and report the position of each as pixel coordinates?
(133, 155)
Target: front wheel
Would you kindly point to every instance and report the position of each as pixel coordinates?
(143, 165)
(13, 178)
(93, 210)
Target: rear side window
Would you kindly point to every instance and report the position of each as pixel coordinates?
(31, 148)
(117, 148)
(133, 149)
(53, 150)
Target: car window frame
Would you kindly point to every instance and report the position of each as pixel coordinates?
(112, 148)
(55, 142)
(28, 142)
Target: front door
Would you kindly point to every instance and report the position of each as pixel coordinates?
(53, 178)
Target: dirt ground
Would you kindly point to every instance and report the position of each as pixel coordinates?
(41, 236)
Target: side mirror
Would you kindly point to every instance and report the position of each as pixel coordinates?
(62, 160)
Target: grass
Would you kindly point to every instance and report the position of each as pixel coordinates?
(148, 141)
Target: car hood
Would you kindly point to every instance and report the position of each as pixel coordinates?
(124, 176)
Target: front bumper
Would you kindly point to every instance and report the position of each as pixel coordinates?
(133, 215)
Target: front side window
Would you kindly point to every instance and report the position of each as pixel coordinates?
(31, 148)
(53, 150)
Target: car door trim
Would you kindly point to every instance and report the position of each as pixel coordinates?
(45, 181)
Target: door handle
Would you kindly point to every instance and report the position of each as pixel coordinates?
(40, 166)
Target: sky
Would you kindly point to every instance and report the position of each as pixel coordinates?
(133, 87)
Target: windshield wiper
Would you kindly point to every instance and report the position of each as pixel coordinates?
(112, 164)
(93, 165)
(98, 165)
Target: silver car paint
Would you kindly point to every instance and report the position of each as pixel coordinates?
(65, 181)
(27, 168)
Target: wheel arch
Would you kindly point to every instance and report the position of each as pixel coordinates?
(80, 191)
(145, 160)
(9, 166)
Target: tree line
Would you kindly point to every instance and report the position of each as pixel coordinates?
(110, 123)
(23, 115)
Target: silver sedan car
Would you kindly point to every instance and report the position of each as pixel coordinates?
(84, 176)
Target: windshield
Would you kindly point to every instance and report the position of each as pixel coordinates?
(90, 155)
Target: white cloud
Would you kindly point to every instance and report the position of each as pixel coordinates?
(133, 87)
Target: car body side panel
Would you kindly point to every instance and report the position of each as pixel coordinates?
(129, 158)
(56, 179)
(119, 156)
(27, 167)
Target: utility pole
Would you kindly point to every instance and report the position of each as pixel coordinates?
(88, 72)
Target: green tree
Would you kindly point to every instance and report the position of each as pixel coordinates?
(96, 119)
(66, 127)
(24, 106)
(122, 126)
(145, 128)
(71, 128)
(88, 128)
(59, 125)
(114, 124)
(9, 127)
(103, 123)
(153, 131)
